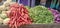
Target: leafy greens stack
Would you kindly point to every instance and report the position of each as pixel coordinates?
(41, 14)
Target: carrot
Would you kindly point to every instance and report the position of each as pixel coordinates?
(18, 16)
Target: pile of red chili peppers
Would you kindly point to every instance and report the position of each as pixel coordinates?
(18, 15)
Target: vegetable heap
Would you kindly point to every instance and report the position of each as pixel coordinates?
(56, 15)
(18, 15)
(3, 10)
(41, 14)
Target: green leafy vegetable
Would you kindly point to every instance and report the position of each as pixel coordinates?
(41, 14)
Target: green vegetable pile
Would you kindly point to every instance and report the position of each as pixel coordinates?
(41, 14)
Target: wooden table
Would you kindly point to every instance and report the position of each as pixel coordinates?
(36, 26)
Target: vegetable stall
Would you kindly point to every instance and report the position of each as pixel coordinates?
(15, 15)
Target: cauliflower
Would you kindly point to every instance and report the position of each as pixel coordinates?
(4, 12)
(3, 16)
(5, 21)
(6, 4)
(1, 20)
(9, 0)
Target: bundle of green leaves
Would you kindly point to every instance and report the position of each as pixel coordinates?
(41, 14)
